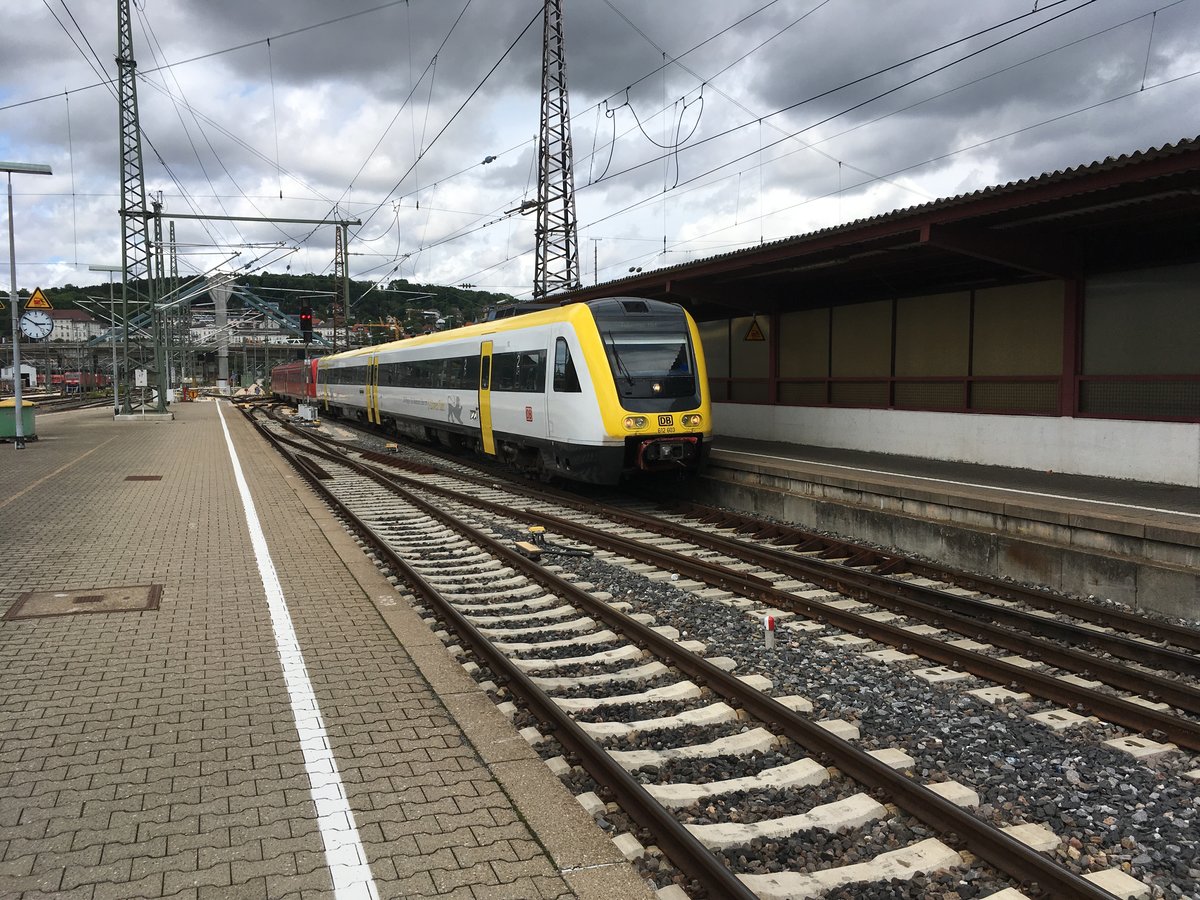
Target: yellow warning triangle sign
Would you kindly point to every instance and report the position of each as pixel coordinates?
(2, 306)
(755, 332)
(37, 300)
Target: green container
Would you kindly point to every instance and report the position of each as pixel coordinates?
(8, 419)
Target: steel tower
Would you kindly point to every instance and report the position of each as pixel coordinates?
(557, 264)
(135, 233)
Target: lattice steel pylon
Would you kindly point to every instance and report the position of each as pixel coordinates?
(557, 265)
(341, 286)
(135, 234)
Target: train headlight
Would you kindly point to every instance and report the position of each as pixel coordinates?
(692, 420)
(656, 387)
(634, 422)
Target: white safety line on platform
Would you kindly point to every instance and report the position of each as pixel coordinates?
(344, 853)
(970, 484)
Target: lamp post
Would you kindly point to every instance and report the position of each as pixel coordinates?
(20, 169)
(112, 317)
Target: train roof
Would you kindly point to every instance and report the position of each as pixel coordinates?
(566, 312)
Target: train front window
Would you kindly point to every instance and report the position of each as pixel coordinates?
(650, 365)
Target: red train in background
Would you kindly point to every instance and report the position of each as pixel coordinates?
(291, 380)
(74, 382)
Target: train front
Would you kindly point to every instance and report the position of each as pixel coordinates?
(657, 367)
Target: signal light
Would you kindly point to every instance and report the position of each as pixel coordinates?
(306, 323)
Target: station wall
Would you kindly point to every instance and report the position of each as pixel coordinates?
(1097, 376)
(1162, 452)
(1117, 345)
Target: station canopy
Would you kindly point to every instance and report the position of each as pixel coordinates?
(1125, 212)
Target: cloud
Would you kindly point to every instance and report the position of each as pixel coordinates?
(692, 120)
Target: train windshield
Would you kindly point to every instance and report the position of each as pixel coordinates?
(650, 365)
(649, 350)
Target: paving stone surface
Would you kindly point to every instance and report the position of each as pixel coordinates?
(155, 753)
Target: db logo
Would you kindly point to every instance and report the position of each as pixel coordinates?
(529, 414)
(665, 421)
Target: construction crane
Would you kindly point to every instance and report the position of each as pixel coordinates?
(390, 326)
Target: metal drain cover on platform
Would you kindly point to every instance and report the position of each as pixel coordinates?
(131, 598)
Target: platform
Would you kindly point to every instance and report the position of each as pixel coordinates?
(190, 720)
(1131, 542)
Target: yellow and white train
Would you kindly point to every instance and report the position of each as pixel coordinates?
(593, 392)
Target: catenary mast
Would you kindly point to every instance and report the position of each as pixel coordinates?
(135, 226)
(557, 264)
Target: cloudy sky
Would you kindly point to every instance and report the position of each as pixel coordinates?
(699, 126)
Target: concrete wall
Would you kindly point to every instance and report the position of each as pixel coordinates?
(1164, 452)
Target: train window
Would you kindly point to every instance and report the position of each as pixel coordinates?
(650, 365)
(485, 373)
(504, 371)
(566, 379)
(437, 373)
(453, 373)
(531, 371)
(461, 373)
(524, 371)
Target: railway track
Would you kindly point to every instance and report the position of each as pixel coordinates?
(67, 404)
(579, 663)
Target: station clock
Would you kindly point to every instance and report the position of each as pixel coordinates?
(36, 323)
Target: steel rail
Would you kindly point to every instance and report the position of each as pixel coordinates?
(1180, 635)
(680, 846)
(1121, 712)
(1014, 858)
(1116, 645)
(1115, 709)
(709, 573)
(929, 602)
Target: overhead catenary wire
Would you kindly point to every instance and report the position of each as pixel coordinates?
(962, 149)
(359, 236)
(855, 81)
(849, 184)
(408, 101)
(860, 79)
(453, 117)
(153, 46)
(71, 156)
(711, 78)
(104, 80)
(310, 27)
(878, 96)
(475, 275)
(274, 116)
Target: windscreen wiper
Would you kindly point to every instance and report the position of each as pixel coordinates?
(612, 342)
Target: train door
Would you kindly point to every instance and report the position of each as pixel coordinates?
(485, 398)
(321, 377)
(567, 416)
(373, 389)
